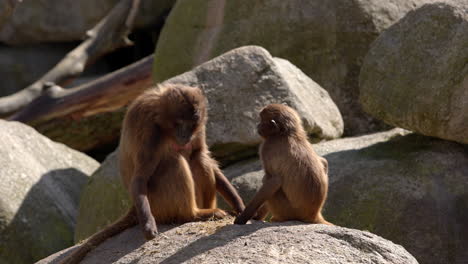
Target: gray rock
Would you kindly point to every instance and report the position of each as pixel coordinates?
(326, 39)
(21, 66)
(221, 242)
(407, 188)
(39, 193)
(240, 82)
(42, 21)
(416, 73)
(114, 200)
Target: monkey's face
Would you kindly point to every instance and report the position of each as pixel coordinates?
(185, 114)
(186, 124)
(184, 131)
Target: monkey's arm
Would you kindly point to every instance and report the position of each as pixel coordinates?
(229, 193)
(269, 187)
(139, 192)
(145, 166)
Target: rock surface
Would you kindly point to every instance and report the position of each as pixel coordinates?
(405, 187)
(39, 193)
(42, 21)
(21, 66)
(416, 73)
(326, 39)
(239, 83)
(114, 200)
(221, 242)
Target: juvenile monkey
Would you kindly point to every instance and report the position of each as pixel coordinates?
(295, 184)
(165, 165)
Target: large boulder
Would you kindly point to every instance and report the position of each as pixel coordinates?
(416, 73)
(21, 66)
(222, 242)
(39, 193)
(242, 81)
(326, 39)
(405, 187)
(42, 21)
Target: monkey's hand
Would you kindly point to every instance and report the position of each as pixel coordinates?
(150, 230)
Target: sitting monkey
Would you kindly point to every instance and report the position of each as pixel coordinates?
(295, 184)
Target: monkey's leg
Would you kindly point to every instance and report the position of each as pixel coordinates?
(120, 225)
(282, 209)
(204, 180)
(261, 213)
(185, 184)
(269, 187)
(205, 214)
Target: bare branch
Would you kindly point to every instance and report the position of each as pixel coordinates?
(109, 34)
(91, 114)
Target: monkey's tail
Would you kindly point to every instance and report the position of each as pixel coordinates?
(126, 221)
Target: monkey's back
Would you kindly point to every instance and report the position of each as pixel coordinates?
(304, 181)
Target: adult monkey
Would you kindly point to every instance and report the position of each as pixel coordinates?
(295, 184)
(165, 165)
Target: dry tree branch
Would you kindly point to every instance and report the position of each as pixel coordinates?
(109, 34)
(80, 117)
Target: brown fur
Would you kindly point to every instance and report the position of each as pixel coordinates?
(295, 184)
(165, 164)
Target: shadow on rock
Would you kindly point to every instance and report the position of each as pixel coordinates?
(45, 220)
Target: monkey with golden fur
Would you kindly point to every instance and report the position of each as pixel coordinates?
(166, 166)
(295, 184)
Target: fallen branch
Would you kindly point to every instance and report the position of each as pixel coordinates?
(91, 114)
(109, 34)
